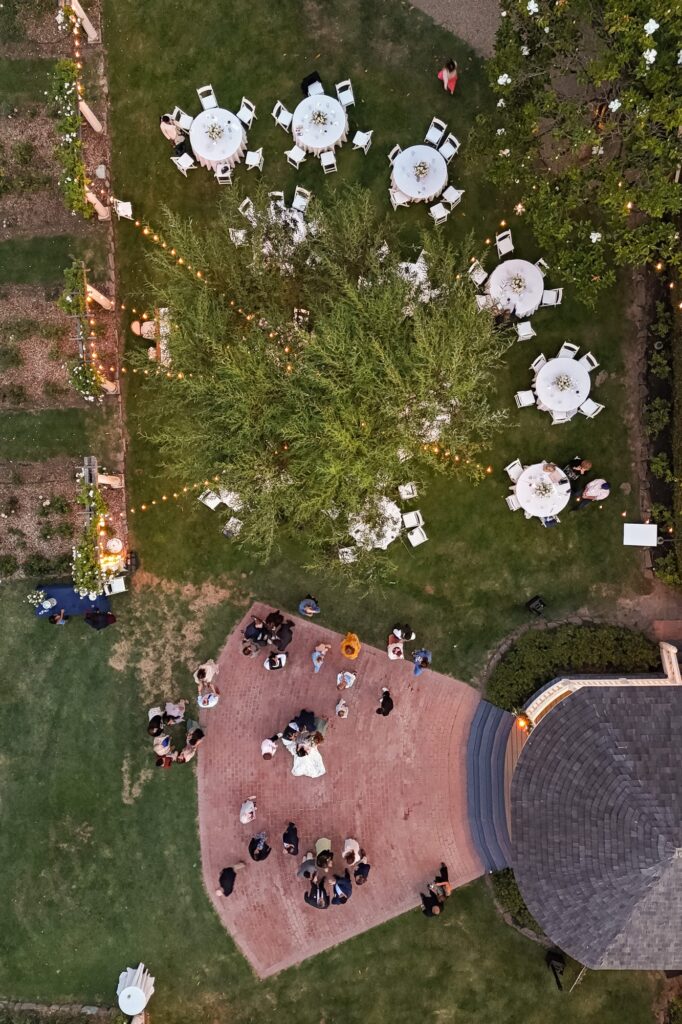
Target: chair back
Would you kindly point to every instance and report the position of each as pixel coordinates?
(207, 97)
(589, 362)
(301, 199)
(513, 503)
(328, 161)
(396, 151)
(504, 243)
(514, 470)
(538, 363)
(440, 213)
(568, 350)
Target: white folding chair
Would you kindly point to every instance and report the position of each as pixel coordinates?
(477, 273)
(568, 351)
(295, 156)
(344, 93)
(407, 491)
(246, 209)
(277, 199)
(542, 266)
(513, 503)
(210, 499)
(524, 398)
(589, 362)
(548, 521)
(453, 197)
(207, 97)
(412, 519)
(247, 112)
(483, 302)
(590, 408)
(328, 161)
(182, 120)
(561, 417)
(439, 212)
(398, 198)
(524, 330)
(504, 243)
(348, 555)
(223, 174)
(282, 116)
(437, 130)
(514, 470)
(538, 363)
(254, 158)
(301, 199)
(184, 163)
(417, 536)
(449, 148)
(237, 235)
(316, 89)
(363, 140)
(396, 151)
(122, 209)
(552, 297)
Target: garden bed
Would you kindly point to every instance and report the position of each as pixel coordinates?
(28, 28)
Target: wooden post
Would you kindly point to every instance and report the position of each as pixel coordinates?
(100, 299)
(92, 120)
(89, 28)
(103, 212)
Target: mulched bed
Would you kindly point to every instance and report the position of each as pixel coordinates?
(42, 38)
(38, 130)
(40, 212)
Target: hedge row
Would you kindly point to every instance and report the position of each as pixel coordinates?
(540, 655)
(508, 895)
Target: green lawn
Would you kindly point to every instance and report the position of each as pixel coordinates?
(35, 436)
(24, 81)
(101, 867)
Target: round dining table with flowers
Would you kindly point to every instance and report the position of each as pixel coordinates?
(217, 138)
(516, 285)
(562, 385)
(420, 172)
(319, 124)
(543, 489)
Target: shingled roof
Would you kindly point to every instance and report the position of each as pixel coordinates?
(597, 826)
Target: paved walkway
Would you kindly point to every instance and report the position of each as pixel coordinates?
(397, 784)
(476, 23)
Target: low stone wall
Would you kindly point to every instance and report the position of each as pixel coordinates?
(55, 1010)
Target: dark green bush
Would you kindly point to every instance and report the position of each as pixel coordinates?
(58, 506)
(61, 529)
(39, 565)
(540, 655)
(8, 565)
(10, 357)
(674, 1015)
(508, 895)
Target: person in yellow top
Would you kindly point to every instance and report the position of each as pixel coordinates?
(350, 646)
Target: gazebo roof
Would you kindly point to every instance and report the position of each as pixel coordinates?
(597, 826)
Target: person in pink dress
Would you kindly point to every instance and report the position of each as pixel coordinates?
(448, 76)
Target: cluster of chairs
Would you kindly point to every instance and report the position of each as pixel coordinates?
(589, 408)
(448, 147)
(346, 97)
(413, 522)
(504, 244)
(300, 203)
(246, 114)
(212, 499)
(514, 471)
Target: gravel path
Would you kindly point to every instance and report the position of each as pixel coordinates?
(474, 21)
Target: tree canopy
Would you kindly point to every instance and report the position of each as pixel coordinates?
(313, 378)
(586, 131)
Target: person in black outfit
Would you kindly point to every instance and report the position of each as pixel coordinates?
(290, 839)
(273, 621)
(258, 847)
(439, 890)
(362, 870)
(343, 888)
(305, 720)
(283, 635)
(405, 632)
(227, 878)
(318, 896)
(431, 904)
(575, 470)
(386, 703)
(257, 631)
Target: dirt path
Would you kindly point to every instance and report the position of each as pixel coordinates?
(476, 23)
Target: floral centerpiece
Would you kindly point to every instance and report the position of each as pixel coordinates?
(215, 131)
(319, 117)
(421, 170)
(517, 283)
(36, 597)
(543, 489)
(562, 382)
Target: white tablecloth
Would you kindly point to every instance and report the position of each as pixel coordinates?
(421, 190)
(229, 149)
(542, 504)
(317, 138)
(550, 395)
(523, 302)
(382, 535)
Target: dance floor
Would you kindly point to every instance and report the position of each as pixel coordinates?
(396, 784)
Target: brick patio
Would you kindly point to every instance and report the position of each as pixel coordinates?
(397, 784)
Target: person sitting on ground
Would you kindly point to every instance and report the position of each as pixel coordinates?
(345, 680)
(227, 879)
(275, 661)
(247, 811)
(394, 648)
(596, 490)
(341, 708)
(258, 847)
(342, 888)
(250, 650)
(257, 631)
(324, 856)
(351, 852)
(59, 620)
(208, 693)
(430, 904)
(576, 469)
(162, 745)
(145, 329)
(166, 760)
(283, 635)
(309, 606)
(195, 736)
(169, 129)
(422, 660)
(290, 839)
(305, 719)
(350, 646)
(317, 896)
(99, 620)
(174, 713)
(268, 748)
(155, 721)
(319, 654)
(385, 704)
(440, 886)
(273, 621)
(404, 633)
(448, 76)
(308, 867)
(362, 869)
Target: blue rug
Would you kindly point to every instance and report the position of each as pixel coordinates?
(68, 599)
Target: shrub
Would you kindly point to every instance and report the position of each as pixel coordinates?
(73, 179)
(50, 530)
(10, 357)
(659, 365)
(674, 1015)
(58, 505)
(11, 506)
(540, 655)
(667, 569)
(14, 394)
(659, 464)
(657, 416)
(39, 565)
(508, 895)
(8, 565)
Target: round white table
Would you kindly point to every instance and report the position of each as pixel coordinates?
(132, 1000)
(214, 153)
(384, 533)
(426, 188)
(535, 501)
(317, 138)
(562, 399)
(516, 285)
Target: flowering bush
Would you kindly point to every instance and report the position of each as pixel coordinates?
(73, 179)
(73, 298)
(85, 570)
(36, 597)
(87, 381)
